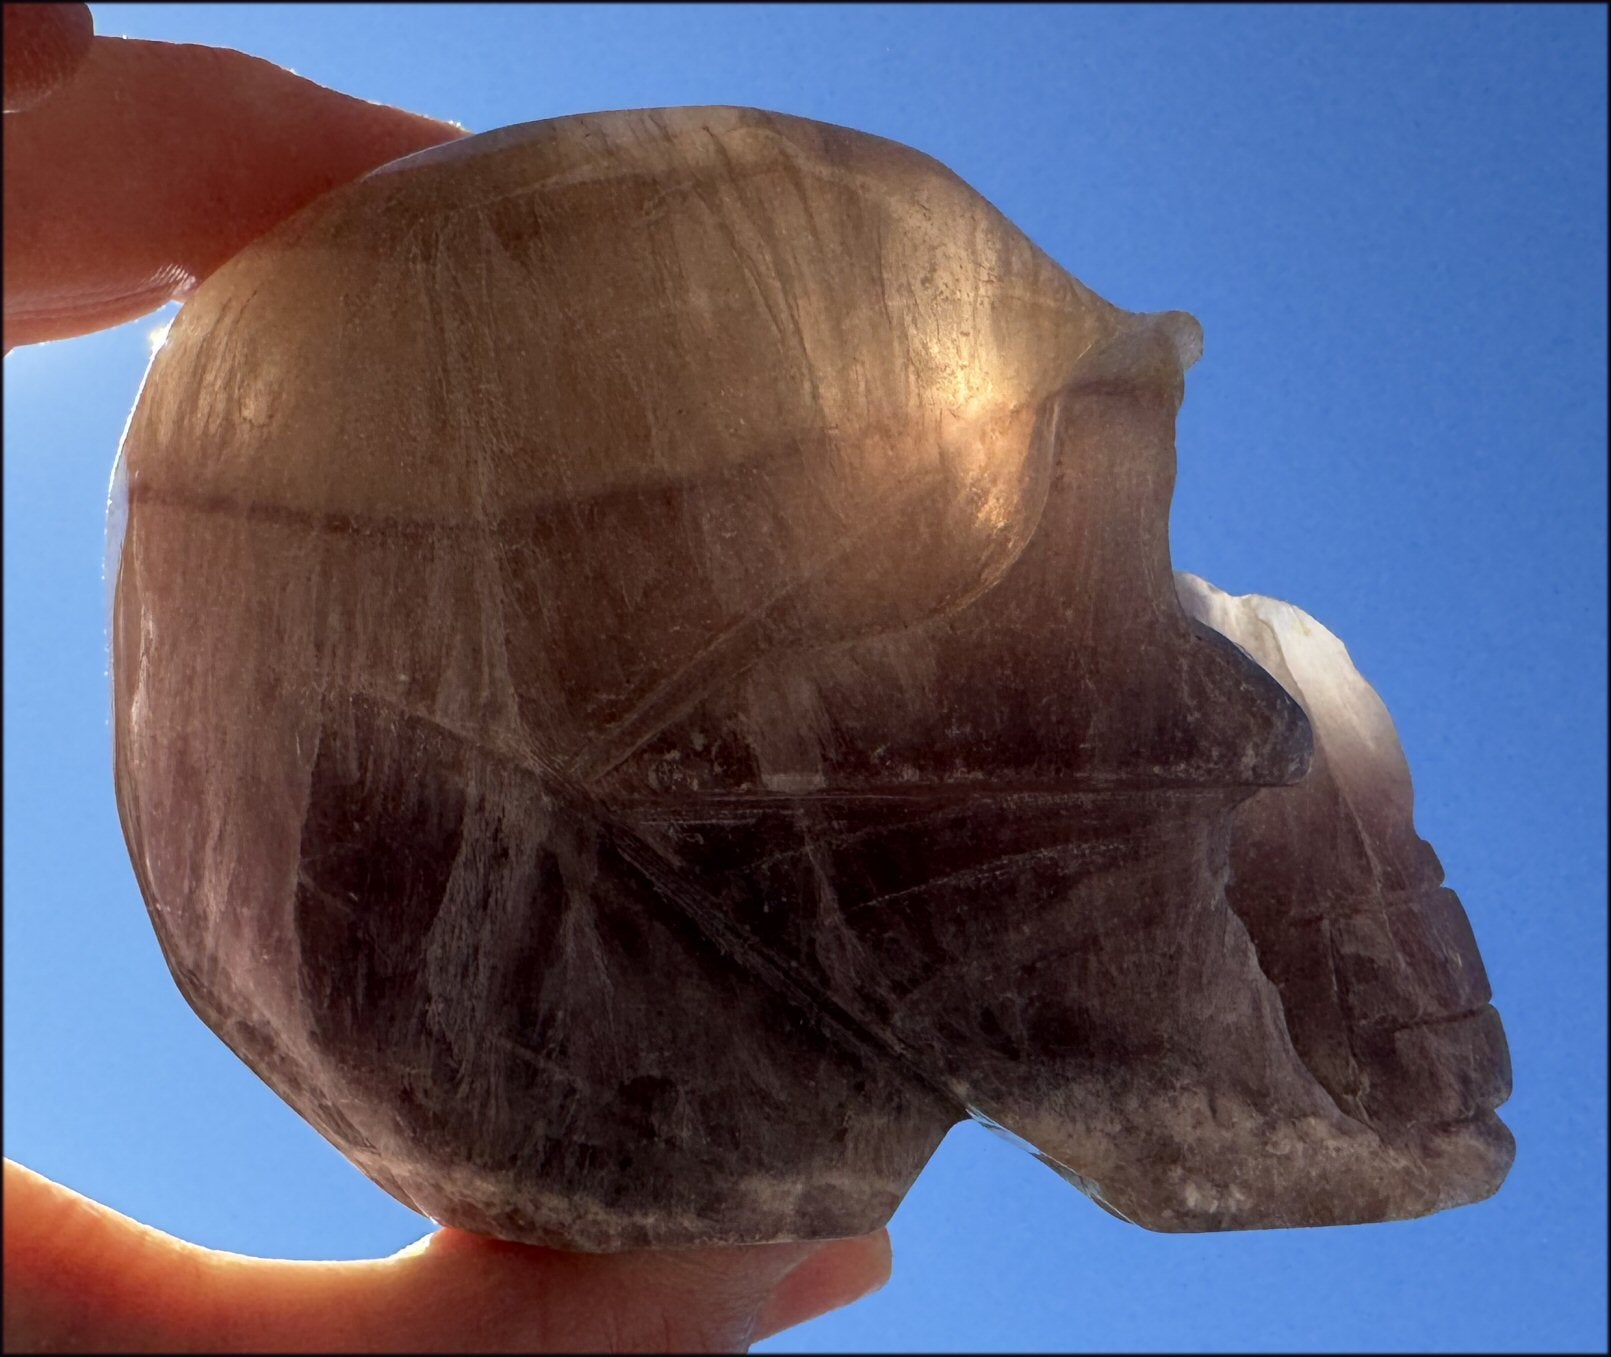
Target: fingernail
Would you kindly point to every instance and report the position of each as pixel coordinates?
(832, 1277)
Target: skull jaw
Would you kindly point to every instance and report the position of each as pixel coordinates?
(1295, 1174)
(580, 1089)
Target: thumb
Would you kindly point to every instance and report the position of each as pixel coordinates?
(44, 46)
(831, 1277)
(481, 1294)
(82, 1277)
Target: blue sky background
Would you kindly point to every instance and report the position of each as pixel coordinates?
(1392, 224)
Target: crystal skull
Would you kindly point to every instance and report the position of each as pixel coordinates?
(649, 682)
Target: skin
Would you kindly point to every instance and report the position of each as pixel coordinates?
(132, 171)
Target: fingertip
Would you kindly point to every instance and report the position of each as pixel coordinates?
(160, 161)
(835, 1276)
(44, 45)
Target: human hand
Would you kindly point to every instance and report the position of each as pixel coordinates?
(132, 171)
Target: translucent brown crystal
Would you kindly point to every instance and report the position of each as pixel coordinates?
(649, 683)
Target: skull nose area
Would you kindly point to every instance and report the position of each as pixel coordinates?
(1246, 728)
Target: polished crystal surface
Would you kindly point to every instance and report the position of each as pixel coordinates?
(649, 682)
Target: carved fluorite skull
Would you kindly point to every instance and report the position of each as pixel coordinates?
(649, 683)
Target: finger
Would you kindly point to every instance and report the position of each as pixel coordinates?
(828, 1280)
(44, 45)
(689, 1300)
(82, 1277)
(157, 162)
